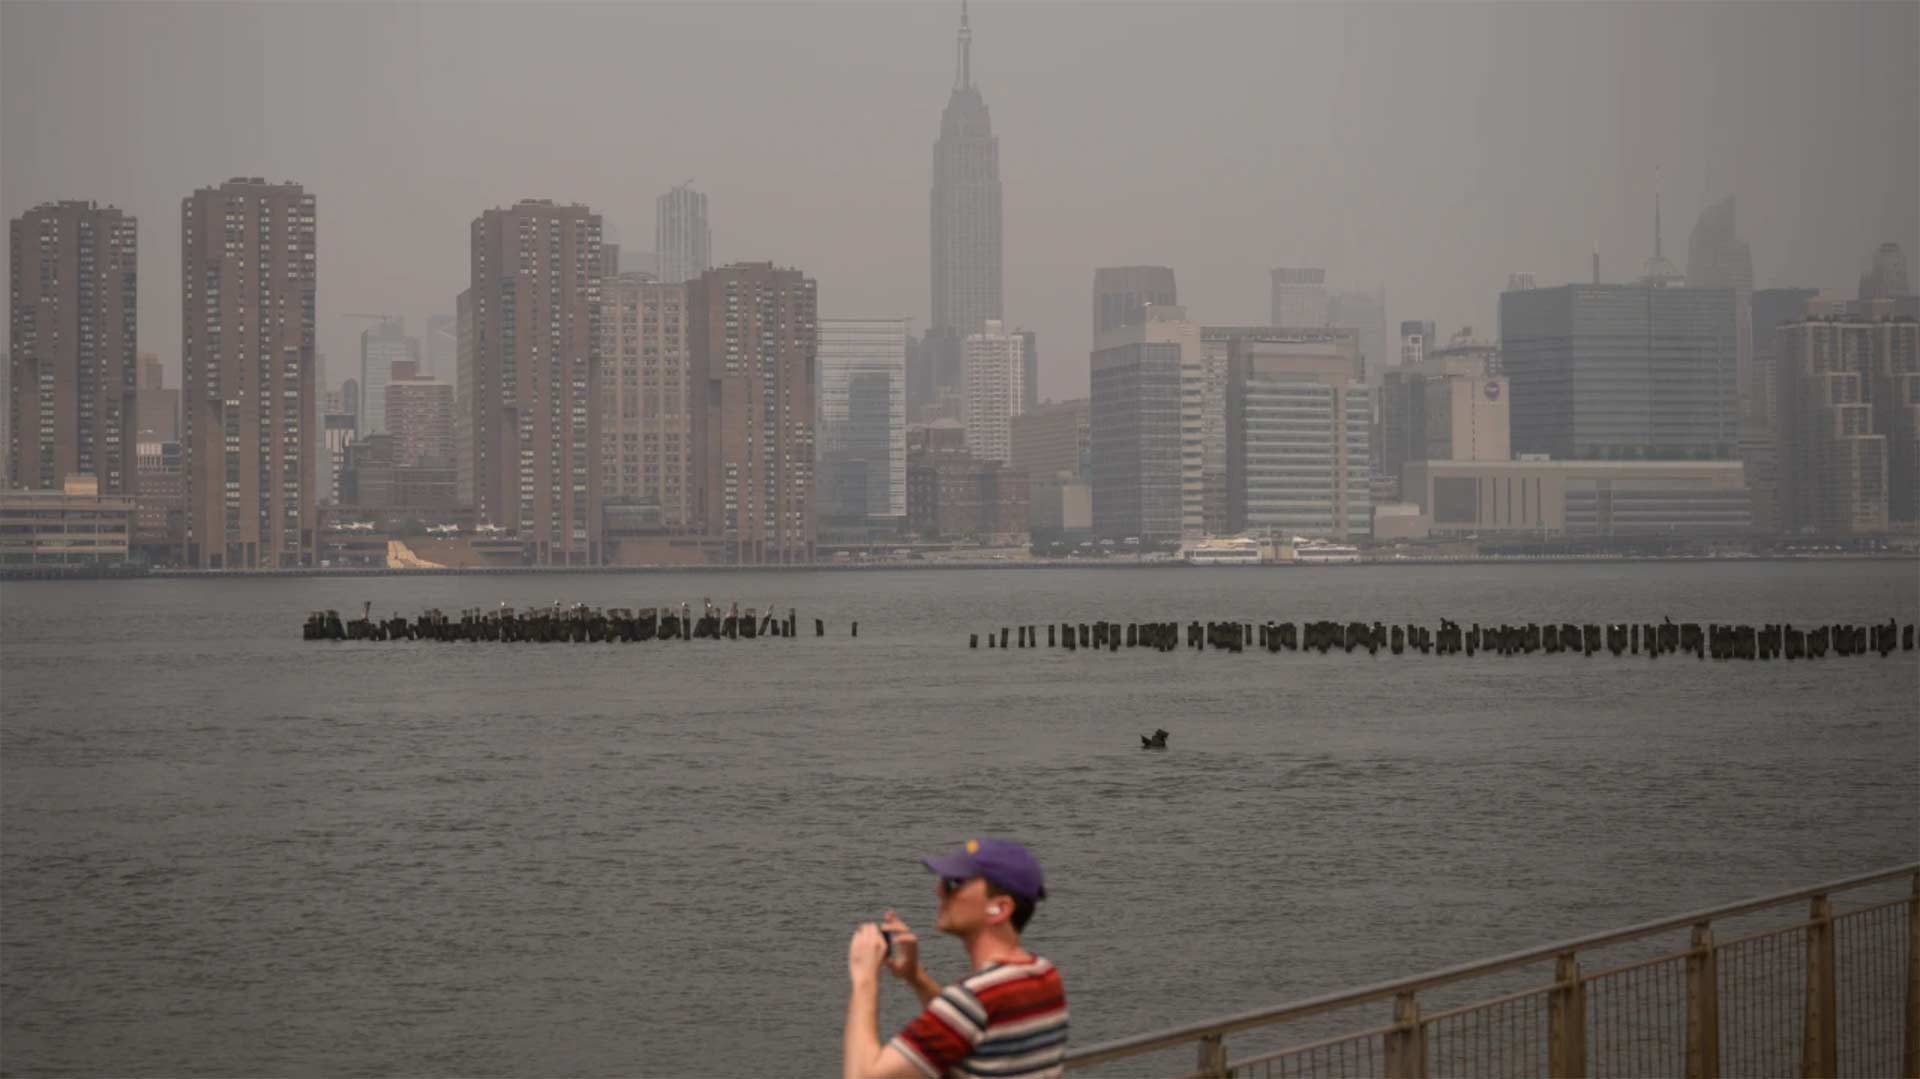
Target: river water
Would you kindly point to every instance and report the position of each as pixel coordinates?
(227, 851)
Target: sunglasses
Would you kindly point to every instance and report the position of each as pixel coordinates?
(950, 885)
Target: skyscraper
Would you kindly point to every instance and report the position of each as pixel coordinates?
(249, 424)
(1300, 296)
(465, 404)
(1298, 458)
(1888, 278)
(73, 380)
(1121, 295)
(1620, 371)
(1030, 369)
(681, 238)
(1364, 311)
(754, 343)
(646, 376)
(995, 377)
(534, 432)
(1848, 394)
(1416, 337)
(965, 208)
(862, 427)
(1144, 429)
(1768, 310)
(381, 346)
(1520, 281)
(1718, 258)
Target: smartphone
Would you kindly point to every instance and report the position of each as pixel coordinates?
(888, 933)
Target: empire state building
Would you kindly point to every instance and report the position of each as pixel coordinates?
(965, 209)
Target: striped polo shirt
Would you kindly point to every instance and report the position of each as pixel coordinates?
(1007, 1020)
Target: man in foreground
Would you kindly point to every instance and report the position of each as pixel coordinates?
(1007, 1019)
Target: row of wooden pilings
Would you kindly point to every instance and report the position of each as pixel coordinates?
(1773, 640)
(579, 624)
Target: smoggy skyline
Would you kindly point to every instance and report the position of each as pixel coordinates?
(1429, 148)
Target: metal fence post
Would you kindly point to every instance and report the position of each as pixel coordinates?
(1567, 1020)
(1213, 1057)
(1912, 1062)
(1703, 1006)
(1407, 1045)
(1818, 1056)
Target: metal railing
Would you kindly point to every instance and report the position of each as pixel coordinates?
(1833, 992)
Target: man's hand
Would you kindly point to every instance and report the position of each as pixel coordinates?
(865, 952)
(905, 961)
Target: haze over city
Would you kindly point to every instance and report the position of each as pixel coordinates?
(1429, 149)
(790, 538)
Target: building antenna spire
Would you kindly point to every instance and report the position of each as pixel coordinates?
(966, 51)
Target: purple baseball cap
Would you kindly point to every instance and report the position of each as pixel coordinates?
(1000, 862)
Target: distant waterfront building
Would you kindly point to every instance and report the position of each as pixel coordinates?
(350, 400)
(1298, 459)
(1051, 439)
(646, 377)
(681, 237)
(1768, 310)
(964, 216)
(337, 433)
(1121, 295)
(1300, 296)
(1144, 428)
(74, 524)
(381, 346)
(420, 418)
(1580, 499)
(951, 494)
(1030, 369)
(1450, 406)
(160, 505)
(376, 482)
(249, 425)
(1620, 371)
(754, 343)
(6, 421)
(465, 400)
(995, 377)
(862, 423)
(73, 326)
(158, 407)
(1848, 396)
(1364, 311)
(1415, 339)
(534, 429)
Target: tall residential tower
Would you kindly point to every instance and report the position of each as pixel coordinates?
(754, 342)
(249, 426)
(73, 372)
(534, 431)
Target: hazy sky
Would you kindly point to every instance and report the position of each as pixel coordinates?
(1428, 147)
